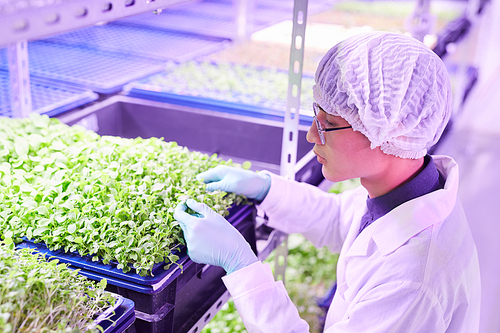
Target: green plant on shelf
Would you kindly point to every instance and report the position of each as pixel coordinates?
(107, 197)
(245, 84)
(46, 296)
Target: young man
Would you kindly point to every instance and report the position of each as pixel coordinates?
(407, 259)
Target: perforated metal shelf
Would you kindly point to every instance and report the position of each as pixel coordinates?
(192, 21)
(143, 42)
(101, 71)
(47, 98)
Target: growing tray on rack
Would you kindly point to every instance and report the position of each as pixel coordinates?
(238, 89)
(143, 284)
(164, 302)
(89, 306)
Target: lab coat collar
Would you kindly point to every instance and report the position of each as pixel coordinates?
(405, 221)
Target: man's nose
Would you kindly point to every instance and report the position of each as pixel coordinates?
(312, 135)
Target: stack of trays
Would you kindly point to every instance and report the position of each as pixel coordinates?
(172, 300)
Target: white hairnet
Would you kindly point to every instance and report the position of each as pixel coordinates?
(390, 87)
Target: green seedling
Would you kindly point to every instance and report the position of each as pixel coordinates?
(234, 83)
(102, 196)
(46, 296)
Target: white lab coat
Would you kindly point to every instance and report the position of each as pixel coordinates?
(413, 270)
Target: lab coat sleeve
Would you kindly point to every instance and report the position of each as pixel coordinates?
(398, 306)
(394, 307)
(323, 218)
(263, 304)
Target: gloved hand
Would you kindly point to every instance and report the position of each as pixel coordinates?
(229, 179)
(213, 240)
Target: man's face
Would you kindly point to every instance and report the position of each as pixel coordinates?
(346, 153)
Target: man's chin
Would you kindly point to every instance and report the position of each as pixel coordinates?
(331, 176)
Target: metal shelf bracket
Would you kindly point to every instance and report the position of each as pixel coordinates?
(290, 130)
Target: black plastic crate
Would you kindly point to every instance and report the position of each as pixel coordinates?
(152, 324)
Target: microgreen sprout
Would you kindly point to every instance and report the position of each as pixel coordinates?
(106, 197)
(229, 82)
(37, 295)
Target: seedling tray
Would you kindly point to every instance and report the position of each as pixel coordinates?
(144, 284)
(240, 138)
(47, 97)
(142, 42)
(144, 290)
(123, 317)
(242, 92)
(142, 91)
(97, 70)
(98, 270)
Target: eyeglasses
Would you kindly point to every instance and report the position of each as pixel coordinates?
(321, 130)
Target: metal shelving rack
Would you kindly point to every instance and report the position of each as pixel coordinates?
(26, 20)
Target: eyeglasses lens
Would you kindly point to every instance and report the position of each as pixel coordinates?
(318, 124)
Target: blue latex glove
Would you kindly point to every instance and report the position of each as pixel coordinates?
(229, 179)
(213, 240)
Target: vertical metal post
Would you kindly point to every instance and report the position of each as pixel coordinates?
(290, 130)
(243, 19)
(19, 79)
(420, 22)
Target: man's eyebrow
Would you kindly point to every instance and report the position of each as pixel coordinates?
(336, 121)
(329, 117)
(330, 121)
